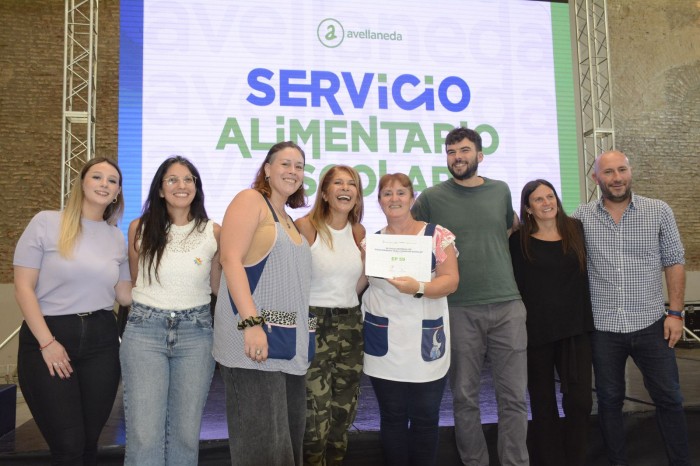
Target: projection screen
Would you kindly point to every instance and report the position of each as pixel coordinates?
(375, 85)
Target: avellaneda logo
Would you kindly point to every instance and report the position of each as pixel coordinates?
(331, 34)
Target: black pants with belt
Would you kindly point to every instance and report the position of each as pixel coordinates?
(71, 413)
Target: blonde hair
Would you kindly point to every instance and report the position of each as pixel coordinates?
(321, 210)
(70, 218)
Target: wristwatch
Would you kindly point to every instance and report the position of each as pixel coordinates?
(679, 314)
(421, 290)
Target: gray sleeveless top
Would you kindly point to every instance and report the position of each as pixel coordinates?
(280, 281)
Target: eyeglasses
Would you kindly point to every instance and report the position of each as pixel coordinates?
(173, 180)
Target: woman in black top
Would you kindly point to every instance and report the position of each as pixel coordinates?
(549, 262)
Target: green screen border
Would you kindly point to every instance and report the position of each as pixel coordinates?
(566, 106)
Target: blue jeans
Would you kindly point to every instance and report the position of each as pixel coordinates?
(657, 363)
(410, 415)
(166, 369)
(71, 413)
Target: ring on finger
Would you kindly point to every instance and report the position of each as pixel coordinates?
(55, 363)
(258, 352)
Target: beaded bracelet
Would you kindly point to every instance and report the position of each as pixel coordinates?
(251, 322)
(42, 348)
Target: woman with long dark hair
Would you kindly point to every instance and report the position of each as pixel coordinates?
(263, 336)
(549, 262)
(166, 347)
(334, 232)
(70, 266)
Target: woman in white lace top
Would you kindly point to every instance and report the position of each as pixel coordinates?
(166, 358)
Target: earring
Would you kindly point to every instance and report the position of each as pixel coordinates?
(114, 201)
(267, 178)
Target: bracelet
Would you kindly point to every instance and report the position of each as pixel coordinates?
(42, 348)
(671, 316)
(251, 322)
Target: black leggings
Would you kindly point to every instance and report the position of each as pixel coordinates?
(71, 413)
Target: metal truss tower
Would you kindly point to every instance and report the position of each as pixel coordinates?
(598, 129)
(79, 90)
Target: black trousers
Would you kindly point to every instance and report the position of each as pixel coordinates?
(71, 413)
(266, 414)
(554, 441)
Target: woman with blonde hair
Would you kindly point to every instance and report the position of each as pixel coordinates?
(333, 230)
(70, 266)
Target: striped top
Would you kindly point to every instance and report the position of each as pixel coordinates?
(279, 281)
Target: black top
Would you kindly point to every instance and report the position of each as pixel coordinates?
(555, 291)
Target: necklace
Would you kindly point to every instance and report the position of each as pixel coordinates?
(286, 217)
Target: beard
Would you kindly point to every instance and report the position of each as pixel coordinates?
(607, 193)
(468, 173)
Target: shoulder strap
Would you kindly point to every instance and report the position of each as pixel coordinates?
(430, 231)
(274, 214)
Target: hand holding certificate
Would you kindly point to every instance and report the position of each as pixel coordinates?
(389, 256)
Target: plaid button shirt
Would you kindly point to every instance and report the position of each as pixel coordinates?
(625, 261)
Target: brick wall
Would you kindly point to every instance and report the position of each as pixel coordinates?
(655, 60)
(31, 90)
(655, 54)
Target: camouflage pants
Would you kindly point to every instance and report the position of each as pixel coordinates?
(332, 384)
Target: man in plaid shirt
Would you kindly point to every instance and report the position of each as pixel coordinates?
(630, 239)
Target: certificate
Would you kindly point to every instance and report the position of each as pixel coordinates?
(389, 256)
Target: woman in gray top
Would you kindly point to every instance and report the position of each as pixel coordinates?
(263, 338)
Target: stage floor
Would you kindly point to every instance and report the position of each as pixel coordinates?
(26, 446)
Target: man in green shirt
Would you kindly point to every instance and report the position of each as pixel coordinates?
(487, 316)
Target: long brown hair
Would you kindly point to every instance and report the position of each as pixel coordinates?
(321, 210)
(261, 184)
(569, 228)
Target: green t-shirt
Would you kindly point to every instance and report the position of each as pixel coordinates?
(480, 218)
